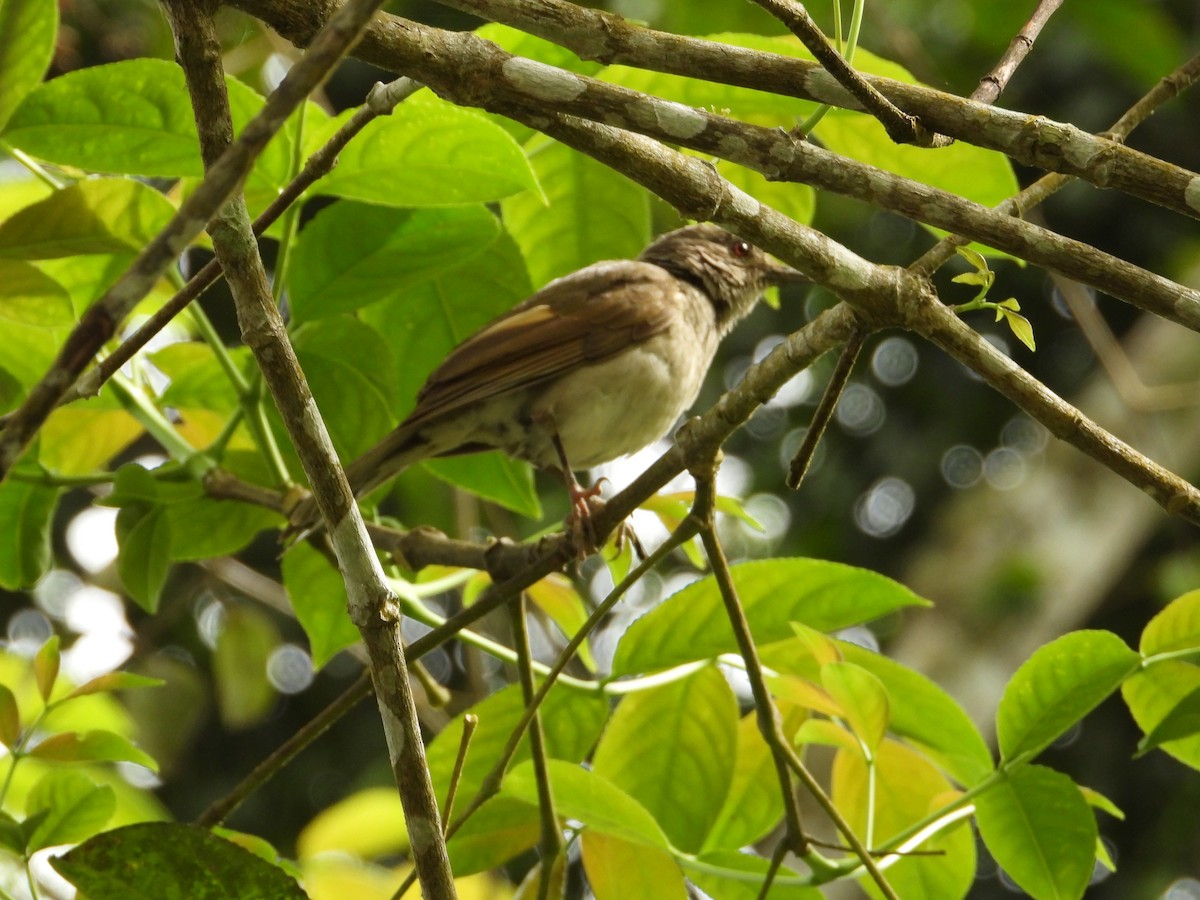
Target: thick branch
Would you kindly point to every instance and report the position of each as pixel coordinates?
(594, 34)
(370, 600)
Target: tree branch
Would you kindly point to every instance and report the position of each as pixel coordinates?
(992, 85)
(371, 603)
(900, 126)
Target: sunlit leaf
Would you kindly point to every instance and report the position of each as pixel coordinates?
(368, 823)
(429, 152)
(45, 666)
(692, 624)
(623, 870)
(582, 794)
(318, 597)
(27, 29)
(76, 808)
(594, 213)
(97, 745)
(1058, 686)
(672, 747)
(1040, 830)
(907, 788)
(99, 215)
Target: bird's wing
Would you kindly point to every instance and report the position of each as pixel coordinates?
(584, 317)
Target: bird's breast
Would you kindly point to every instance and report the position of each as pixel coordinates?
(618, 406)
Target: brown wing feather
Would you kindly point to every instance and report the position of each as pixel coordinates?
(587, 316)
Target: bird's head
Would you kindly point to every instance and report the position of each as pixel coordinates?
(730, 270)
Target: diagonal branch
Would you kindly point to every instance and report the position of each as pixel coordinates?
(371, 603)
(992, 85)
(593, 34)
(900, 126)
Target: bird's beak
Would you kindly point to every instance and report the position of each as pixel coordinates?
(780, 274)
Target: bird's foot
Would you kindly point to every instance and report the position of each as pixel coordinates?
(586, 504)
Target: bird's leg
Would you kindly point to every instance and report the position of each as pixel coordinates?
(584, 501)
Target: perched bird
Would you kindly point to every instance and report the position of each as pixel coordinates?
(597, 364)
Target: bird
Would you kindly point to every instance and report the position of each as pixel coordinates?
(596, 365)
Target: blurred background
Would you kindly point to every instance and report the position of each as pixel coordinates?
(926, 476)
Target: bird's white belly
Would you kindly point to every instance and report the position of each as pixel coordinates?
(618, 406)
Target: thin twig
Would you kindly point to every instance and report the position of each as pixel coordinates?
(992, 85)
(764, 705)
(824, 411)
(550, 845)
(221, 809)
(470, 723)
(900, 126)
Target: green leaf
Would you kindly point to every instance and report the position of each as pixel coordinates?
(975, 258)
(77, 808)
(1097, 800)
(1020, 326)
(1057, 686)
(202, 528)
(13, 834)
(27, 30)
(1040, 830)
(97, 745)
(1175, 627)
(725, 887)
(907, 788)
(144, 537)
(752, 805)
(45, 667)
(501, 829)
(593, 213)
(1181, 721)
(862, 697)
(359, 344)
(672, 747)
(354, 254)
(30, 297)
(10, 718)
(747, 104)
(246, 641)
(98, 215)
(623, 870)
(1151, 696)
(691, 625)
(318, 597)
(556, 596)
(494, 477)
(425, 322)
(83, 436)
(430, 152)
(923, 713)
(26, 513)
(592, 799)
(367, 824)
(197, 379)
(166, 861)
(114, 681)
(571, 720)
(131, 117)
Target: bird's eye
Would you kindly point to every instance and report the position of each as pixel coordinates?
(740, 249)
